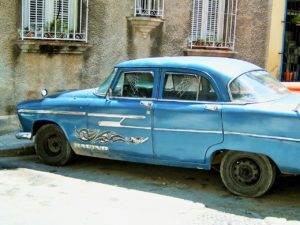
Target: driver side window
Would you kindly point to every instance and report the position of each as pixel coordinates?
(134, 84)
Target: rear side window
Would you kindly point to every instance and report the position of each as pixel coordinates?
(188, 87)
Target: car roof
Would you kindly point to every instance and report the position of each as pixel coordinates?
(226, 67)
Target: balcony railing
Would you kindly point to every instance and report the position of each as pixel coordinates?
(65, 20)
(149, 8)
(214, 24)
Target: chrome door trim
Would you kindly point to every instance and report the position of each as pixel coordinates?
(262, 136)
(201, 102)
(121, 116)
(118, 124)
(189, 131)
(51, 112)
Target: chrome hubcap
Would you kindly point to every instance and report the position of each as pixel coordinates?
(54, 145)
(245, 172)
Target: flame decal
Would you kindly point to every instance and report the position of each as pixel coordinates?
(105, 137)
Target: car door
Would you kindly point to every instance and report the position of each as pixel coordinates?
(187, 116)
(122, 123)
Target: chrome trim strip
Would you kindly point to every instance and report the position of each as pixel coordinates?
(51, 112)
(118, 124)
(190, 131)
(133, 98)
(23, 135)
(263, 136)
(117, 116)
(201, 102)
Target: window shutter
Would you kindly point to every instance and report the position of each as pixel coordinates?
(54, 19)
(197, 19)
(61, 9)
(34, 14)
(208, 20)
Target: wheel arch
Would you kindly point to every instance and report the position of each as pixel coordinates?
(39, 123)
(215, 157)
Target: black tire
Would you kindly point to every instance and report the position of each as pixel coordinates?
(52, 146)
(247, 174)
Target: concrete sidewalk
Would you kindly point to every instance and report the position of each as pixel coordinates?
(11, 146)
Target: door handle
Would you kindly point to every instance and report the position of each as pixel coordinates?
(214, 108)
(149, 105)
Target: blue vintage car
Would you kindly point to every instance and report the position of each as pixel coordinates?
(196, 112)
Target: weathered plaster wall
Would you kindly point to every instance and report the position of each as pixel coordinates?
(108, 35)
(23, 75)
(253, 22)
(8, 53)
(176, 28)
(35, 71)
(111, 35)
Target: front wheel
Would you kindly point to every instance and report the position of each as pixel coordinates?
(247, 174)
(52, 146)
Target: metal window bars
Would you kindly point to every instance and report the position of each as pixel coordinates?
(213, 24)
(149, 8)
(55, 20)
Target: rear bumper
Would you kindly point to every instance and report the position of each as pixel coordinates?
(23, 135)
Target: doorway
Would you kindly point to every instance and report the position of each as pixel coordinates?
(291, 54)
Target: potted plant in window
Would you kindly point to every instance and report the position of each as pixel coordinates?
(28, 32)
(56, 26)
(290, 48)
(296, 20)
(210, 44)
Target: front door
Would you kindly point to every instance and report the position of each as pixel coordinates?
(187, 117)
(121, 125)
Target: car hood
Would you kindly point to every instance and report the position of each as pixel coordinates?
(73, 94)
(60, 98)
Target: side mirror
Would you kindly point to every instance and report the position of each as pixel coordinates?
(108, 94)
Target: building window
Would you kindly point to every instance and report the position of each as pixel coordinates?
(149, 8)
(213, 24)
(54, 19)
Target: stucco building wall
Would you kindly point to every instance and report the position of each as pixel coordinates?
(23, 75)
(253, 27)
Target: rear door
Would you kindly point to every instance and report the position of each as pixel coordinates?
(187, 117)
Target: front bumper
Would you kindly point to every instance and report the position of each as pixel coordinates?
(24, 135)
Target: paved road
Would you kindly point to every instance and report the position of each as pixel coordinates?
(96, 191)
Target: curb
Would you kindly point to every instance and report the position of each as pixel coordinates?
(17, 151)
(9, 123)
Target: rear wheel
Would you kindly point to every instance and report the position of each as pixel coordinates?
(52, 146)
(247, 174)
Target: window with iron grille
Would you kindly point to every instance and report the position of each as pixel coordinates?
(213, 24)
(149, 8)
(54, 19)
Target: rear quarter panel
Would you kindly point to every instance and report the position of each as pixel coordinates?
(264, 129)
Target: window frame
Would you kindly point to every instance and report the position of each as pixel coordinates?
(40, 22)
(131, 70)
(213, 27)
(204, 74)
(149, 8)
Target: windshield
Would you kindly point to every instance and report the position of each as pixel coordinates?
(105, 85)
(256, 86)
